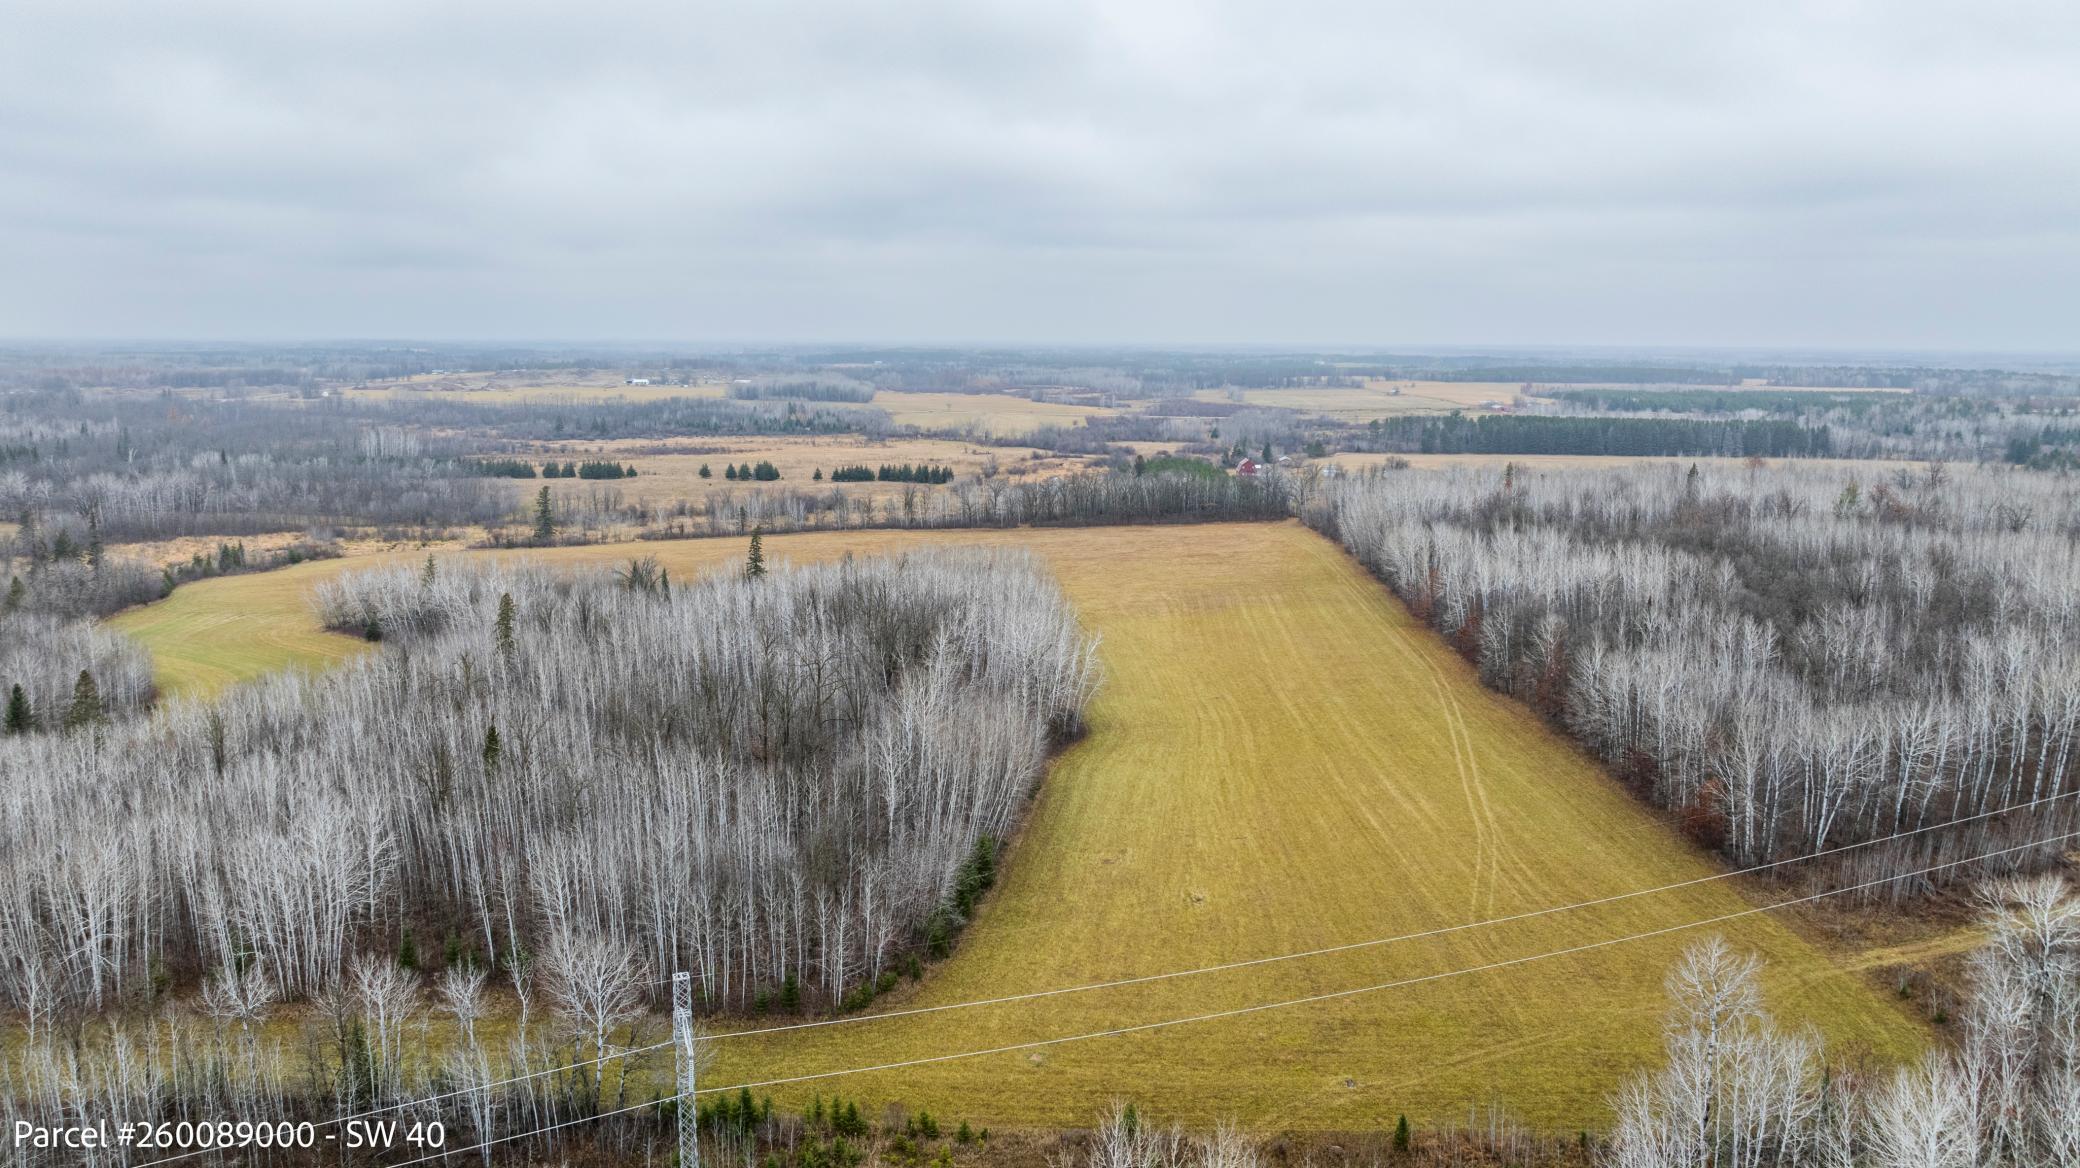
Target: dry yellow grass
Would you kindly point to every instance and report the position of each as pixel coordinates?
(1281, 759)
(166, 553)
(1376, 399)
(990, 413)
(671, 470)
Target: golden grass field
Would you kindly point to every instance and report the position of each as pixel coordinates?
(670, 469)
(990, 413)
(1281, 758)
(1376, 399)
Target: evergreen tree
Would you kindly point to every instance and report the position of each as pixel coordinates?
(85, 709)
(426, 572)
(544, 518)
(705, 472)
(219, 748)
(408, 952)
(755, 564)
(20, 720)
(1140, 465)
(729, 471)
(818, 476)
(94, 538)
(17, 595)
(504, 627)
(1401, 1135)
(493, 750)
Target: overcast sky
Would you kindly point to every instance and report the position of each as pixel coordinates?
(1896, 174)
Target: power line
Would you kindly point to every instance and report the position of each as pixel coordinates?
(1375, 942)
(1336, 994)
(1170, 975)
(1262, 1007)
(422, 1100)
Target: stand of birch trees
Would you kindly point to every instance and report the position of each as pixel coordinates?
(1738, 1091)
(770, 780)
(46, 660)
(1791, 658)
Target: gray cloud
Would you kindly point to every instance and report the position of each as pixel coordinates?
(1899, 174)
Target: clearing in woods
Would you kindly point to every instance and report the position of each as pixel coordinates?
(1281, 758)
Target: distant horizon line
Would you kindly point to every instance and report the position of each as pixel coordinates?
(1851, 353)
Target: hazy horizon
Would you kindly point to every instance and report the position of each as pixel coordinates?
(1616, 176)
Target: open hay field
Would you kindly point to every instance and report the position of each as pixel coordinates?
(1281, 758)
(667, 471)
(994, 414)
(1376, 399)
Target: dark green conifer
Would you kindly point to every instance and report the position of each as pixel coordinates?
(20, 719)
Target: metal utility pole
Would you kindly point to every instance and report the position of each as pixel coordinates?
(682, 1035)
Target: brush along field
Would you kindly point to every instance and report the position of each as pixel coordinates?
(1280, 759)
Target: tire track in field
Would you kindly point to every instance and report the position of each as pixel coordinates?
(1498, 852)
(1488, 835)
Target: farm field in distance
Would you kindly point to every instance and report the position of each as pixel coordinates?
(996, 414)
(1376, 399)
(670, 469)
(1281, 758)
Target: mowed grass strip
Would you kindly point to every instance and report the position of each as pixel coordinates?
(1280, 759)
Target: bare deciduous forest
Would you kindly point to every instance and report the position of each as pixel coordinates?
(1787, 658)
(1739, 1090)
(56, 674)
(773, 780)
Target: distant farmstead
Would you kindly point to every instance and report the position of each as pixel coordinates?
(1249, 467)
